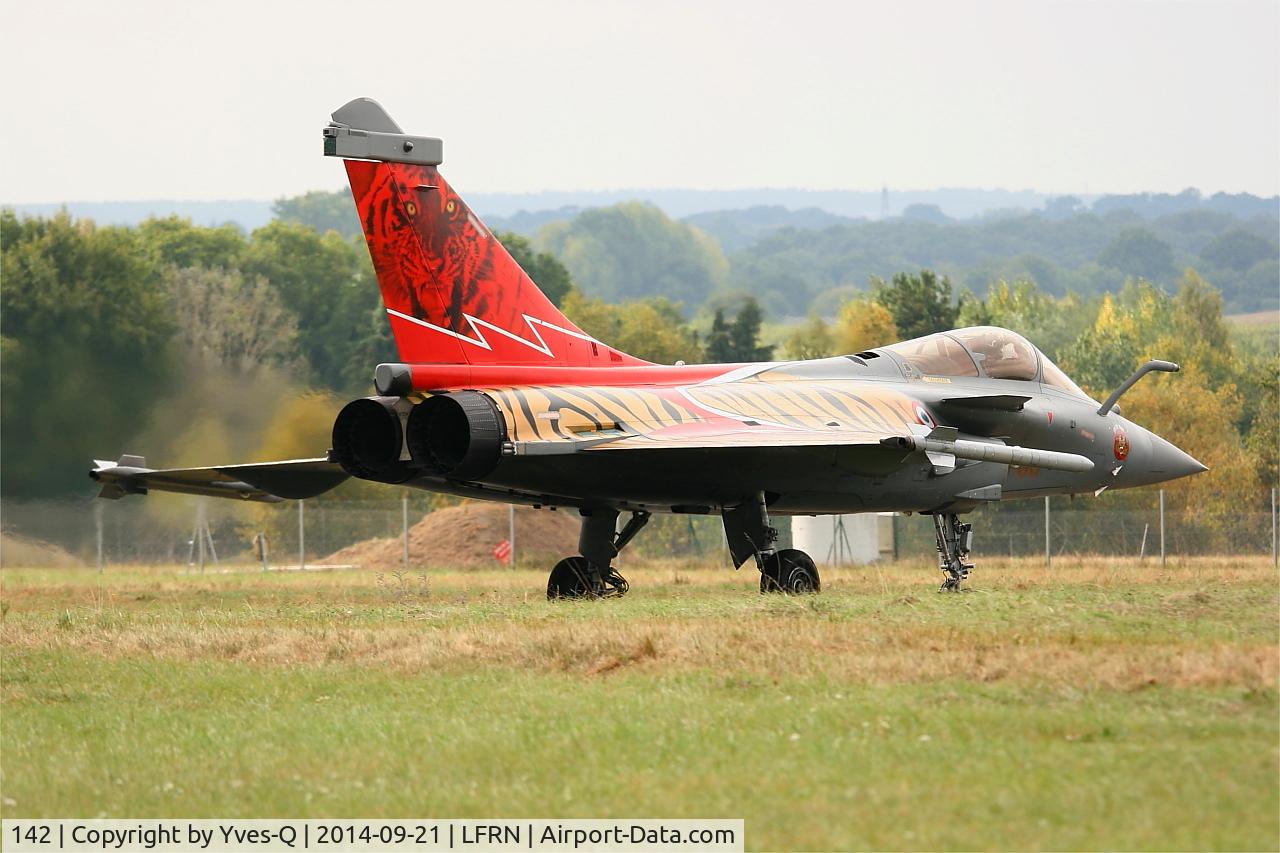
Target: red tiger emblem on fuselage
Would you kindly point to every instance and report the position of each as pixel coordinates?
(1120, 444)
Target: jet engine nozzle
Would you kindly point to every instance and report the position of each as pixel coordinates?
(458, 435)
(368, 439)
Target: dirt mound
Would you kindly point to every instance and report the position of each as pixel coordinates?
(23, 552)
(464, 536)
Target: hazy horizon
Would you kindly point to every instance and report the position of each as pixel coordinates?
(541, 191)
(960, 204)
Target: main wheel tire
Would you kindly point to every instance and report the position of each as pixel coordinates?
(790, 571)
(571, 578)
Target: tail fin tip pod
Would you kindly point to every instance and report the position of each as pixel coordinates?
(452, 292)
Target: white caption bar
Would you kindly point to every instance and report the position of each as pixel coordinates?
(282, 836)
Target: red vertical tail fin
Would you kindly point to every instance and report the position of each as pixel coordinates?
(453, 294)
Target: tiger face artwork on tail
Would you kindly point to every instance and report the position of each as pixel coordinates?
(453, 293)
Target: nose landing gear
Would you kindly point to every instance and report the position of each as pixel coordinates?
(955, 540)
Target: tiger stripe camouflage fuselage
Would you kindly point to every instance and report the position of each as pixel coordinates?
(546, 413)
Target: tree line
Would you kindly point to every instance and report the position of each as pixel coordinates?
(797, 261)
(206, 344)
(107, 330)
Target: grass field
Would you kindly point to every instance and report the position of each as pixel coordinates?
(1106, 705)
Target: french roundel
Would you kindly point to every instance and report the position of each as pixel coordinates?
(923, 416)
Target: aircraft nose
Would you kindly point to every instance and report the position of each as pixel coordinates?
(1154, 460)
(1169, 462)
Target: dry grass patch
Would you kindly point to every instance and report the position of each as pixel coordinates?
(1216, 632)
(892, 716)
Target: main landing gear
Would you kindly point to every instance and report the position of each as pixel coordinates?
(590, 574)
(955, 541)
(749, 535)
(790, 571)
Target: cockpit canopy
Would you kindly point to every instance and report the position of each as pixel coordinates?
(986, 351)
(978, 352)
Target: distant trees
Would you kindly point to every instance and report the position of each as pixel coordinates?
(1197, 318)
(1155, 205)
(328, 284)
(175, 242)
(737, 340)
(231, 321)
(544, 268)
(185, 338)
(1051, 322)
(1062, 207)
(1142, 322)
(926, 213)
(719, 345)
(1260, 421)
(1107, 352)
(920, 304)
(321, 211)
(1138, 252)
(1222, 408)
(652, 329)
(1203, 421)
(737, 229)
(1237, 250)
(632, 251)
(861, 324)
(100, 324)
(86, 332)
(797, 261)
(811, 339)
(794, 270)
(864, 324)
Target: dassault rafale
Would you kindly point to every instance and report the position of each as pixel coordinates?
(499, 396)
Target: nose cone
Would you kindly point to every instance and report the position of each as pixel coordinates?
(1167, 462)
(1154, 460)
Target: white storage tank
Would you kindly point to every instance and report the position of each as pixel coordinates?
(834, 540)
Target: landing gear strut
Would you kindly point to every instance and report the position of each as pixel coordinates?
(749, 534)
(592, 575)
(955, 540)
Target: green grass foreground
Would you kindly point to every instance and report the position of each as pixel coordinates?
(1104, 705)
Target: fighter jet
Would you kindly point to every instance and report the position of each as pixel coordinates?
(499, 396)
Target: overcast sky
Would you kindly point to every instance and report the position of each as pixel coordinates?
(119, 100)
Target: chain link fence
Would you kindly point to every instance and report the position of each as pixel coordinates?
(1019, 530)
(169, 531)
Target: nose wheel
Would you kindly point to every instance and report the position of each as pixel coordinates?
(955, 540)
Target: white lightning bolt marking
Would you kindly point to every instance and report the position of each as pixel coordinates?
(539, 344)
